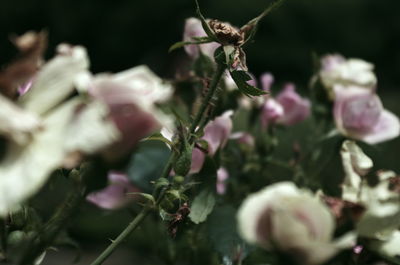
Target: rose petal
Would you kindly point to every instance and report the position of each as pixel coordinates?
(114, 196)
(55, 81)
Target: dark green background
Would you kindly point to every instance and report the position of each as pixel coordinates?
(123, 33)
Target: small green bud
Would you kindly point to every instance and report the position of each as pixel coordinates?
(179, 179)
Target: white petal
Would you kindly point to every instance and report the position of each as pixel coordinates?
(25, 169)
(90, 131)
(56, 80)
(15, 123)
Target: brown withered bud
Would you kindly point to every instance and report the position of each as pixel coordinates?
(178, 218)
(31, 47)
(226, 34)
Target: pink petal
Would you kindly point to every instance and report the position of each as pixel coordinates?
(222, 176)
(271, 111)
(217, 132)
(193, 28)
(114, 196)
(198, 158)
(387, 128)
(267, 79)
(296, 108)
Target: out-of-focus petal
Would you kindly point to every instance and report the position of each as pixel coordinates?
(198, 158)
(222, 176)
(25, 169)
(271, 111)
(296, 108)
(114, 196)
(193, 28)
(267, 79)
(217, 132)
(387, 128)
(56, 80)
(355, 164)
(15, 123)
(90, 131)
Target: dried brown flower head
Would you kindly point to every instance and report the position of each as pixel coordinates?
(226, 34)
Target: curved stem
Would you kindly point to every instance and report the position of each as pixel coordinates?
(167, 169)
(129, 229)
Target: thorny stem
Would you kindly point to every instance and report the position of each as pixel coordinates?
(167, 169)
(207, 99)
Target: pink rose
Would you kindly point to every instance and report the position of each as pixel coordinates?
(288, 108)
(359, 114)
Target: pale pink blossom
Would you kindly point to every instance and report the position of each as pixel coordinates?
(271, 111)
(296, 108)
(217, 132)
(116, 194)
(243, 138)
(288, 108)
(337, 70)
(359, 114)
(222, 177)
(193, 28)
(267, 79)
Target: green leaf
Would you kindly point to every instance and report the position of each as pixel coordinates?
(204, 23)
(158, 137)
(197, 40)
(202, 206)
(241, 78)
(147, 163)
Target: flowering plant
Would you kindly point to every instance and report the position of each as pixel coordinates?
(216, 166)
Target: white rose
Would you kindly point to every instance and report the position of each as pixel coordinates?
(336, 70)
(293, 220)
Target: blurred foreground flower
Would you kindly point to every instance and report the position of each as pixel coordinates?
(48, 130)
(290, 219)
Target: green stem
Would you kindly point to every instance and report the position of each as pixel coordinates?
(50, 230)
(207, 99)
(167, 169)
(127, 231)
